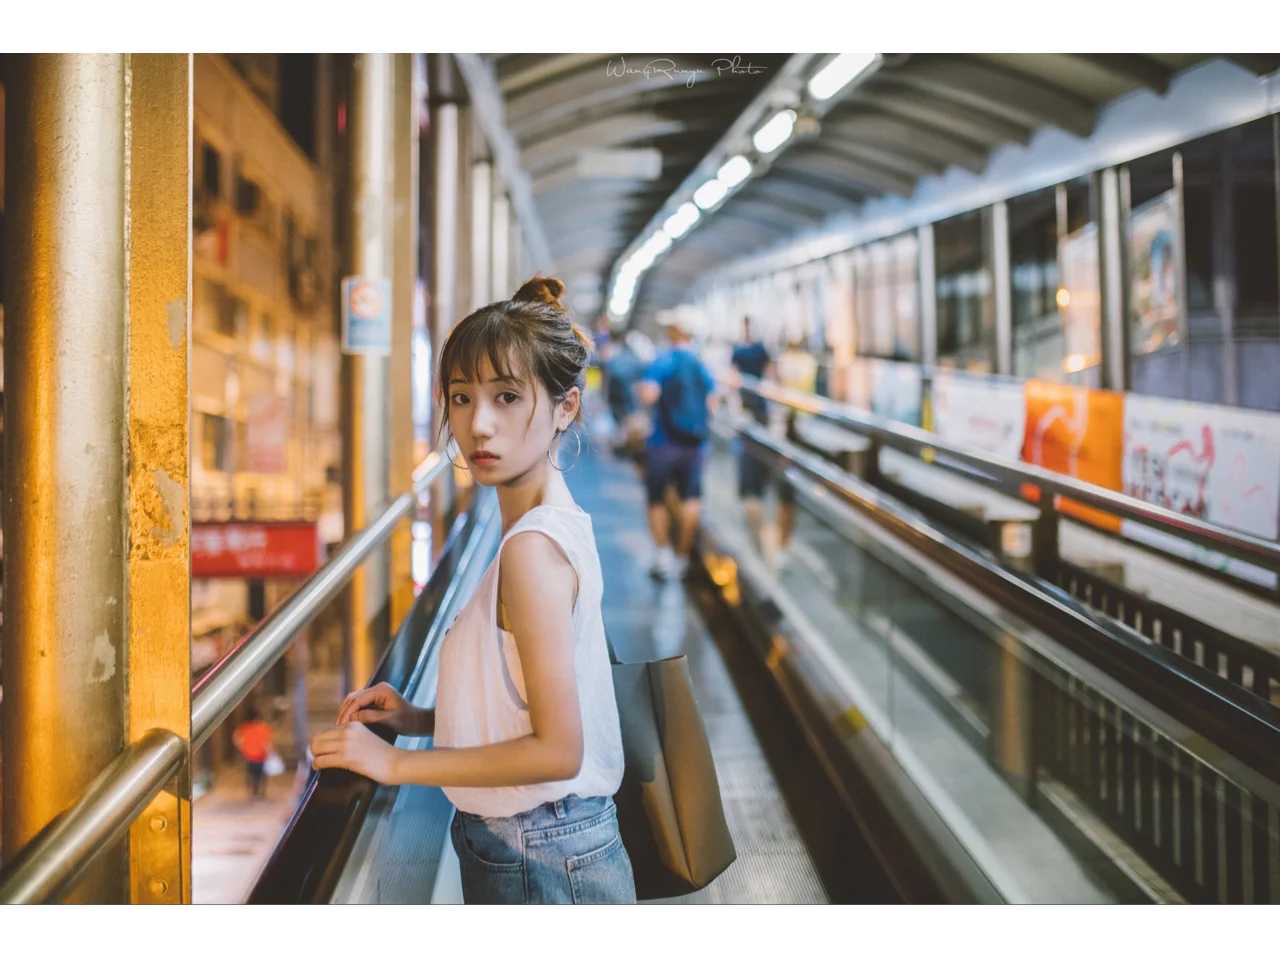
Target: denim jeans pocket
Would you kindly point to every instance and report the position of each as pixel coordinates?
(493, 843)
(602, 876)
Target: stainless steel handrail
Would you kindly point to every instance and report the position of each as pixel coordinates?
(53, 859)
(58, 855)
(227, 682)
(1248, 718)
(914, 440)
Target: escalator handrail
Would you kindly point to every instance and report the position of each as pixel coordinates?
(236, 674)
(914, 440)
(312, 850)
(123, 790)
(1235, 720)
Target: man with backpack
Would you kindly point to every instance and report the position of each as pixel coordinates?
(682, 393)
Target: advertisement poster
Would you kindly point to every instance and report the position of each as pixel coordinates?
(983, 413)
(896, 390)
(1079, 300)
(1212, 462)
(1155, 292)
(1077, 432)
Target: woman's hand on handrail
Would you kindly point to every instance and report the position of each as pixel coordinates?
(384, 705)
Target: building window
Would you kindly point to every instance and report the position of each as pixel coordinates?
(215, 443)
(1056, 297)
(1204, 275)
(211, 172)
(886, 298)
(248, 196)
(966, 314)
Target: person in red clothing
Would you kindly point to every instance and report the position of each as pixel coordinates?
(253, 739)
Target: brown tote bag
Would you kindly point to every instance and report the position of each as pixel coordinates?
(669, 809)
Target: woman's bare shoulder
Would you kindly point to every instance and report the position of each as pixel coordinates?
(534, 568)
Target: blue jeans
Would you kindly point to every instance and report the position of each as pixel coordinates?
(564, 852)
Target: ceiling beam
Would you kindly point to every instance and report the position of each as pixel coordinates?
(932, 112)
(611, 132)
(913, 164)
(830, 162)
(487, 108)
(540, 67)
(1130, 67)
(588, 87)
(1014, 96)
(905, 137)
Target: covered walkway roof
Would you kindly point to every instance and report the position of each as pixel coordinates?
(613, 143)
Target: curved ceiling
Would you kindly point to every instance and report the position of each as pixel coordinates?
(572, 116)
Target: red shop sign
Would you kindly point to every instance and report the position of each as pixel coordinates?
(254, 550)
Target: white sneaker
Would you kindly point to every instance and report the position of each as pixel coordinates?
(664, 562)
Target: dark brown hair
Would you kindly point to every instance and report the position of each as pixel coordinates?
(529, 336)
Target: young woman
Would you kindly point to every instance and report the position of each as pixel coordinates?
(526, 738)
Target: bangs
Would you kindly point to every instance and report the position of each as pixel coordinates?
(486, 336)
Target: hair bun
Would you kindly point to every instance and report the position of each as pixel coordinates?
(541, 289)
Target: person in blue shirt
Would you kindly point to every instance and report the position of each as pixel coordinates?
(623, 368)
(682, 393)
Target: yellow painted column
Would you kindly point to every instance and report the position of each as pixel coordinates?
(365, 391)
(158, 472)
(96, 638)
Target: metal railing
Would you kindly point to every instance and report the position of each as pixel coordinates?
(1173, 756)
(1012, 473)
(52, 861)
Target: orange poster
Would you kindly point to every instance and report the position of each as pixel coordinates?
(1078, 432)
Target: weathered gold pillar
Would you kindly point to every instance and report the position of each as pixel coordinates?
(409, 89)
(159, 472)
(97, 636)
(364, 380)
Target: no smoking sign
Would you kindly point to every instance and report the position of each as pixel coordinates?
(366, 315)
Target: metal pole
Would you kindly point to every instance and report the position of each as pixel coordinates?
(157, 553)
(928, 299)
(96, 642)
(365, 438)
(64, 631)
(444, 220)
(404, 282)
(501, 255)
(1114, 311)
(481, 210)
(443, 92)
(1003, 290)
(515, 254)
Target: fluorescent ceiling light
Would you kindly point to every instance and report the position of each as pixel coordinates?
(710, 193)
(734, 171)
(678, 223)
(832, 78)
(776, 132)
(659, 242)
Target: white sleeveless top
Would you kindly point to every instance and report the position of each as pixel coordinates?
(480, 697)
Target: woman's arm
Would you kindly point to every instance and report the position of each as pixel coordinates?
(537, 586)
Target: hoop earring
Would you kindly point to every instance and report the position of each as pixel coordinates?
(452, 442)
(576, 454)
